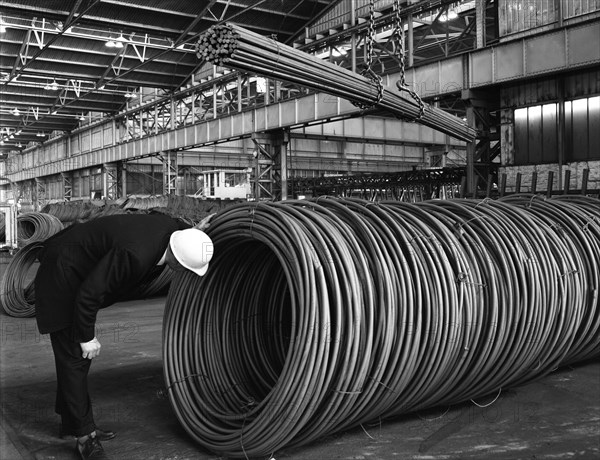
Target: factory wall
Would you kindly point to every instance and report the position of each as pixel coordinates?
(552, 125)
(521, 15)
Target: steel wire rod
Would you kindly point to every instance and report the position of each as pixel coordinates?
(233, 46)
(317, 316)
(17, 296)
(155, 286)
(36, 226)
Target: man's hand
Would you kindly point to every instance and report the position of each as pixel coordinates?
(90, 349)
(205, 223)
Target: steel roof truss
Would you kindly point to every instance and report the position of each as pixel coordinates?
(71, 20)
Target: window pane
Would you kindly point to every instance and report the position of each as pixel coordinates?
(535, 134)
(549, 131)
(521, 137)
(594, 128)
(580, 129)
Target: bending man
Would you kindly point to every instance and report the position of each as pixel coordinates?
(90, 266)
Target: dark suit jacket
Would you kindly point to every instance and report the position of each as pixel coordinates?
(91, 265)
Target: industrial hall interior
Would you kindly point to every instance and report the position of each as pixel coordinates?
(309, 229)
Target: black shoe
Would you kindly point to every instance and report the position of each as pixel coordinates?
(91, 449)
(102, 435)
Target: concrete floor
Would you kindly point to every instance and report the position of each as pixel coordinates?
(556, 417)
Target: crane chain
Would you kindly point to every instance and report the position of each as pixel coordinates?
(401, 54)
(368, 71)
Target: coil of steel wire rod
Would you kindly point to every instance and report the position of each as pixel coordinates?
(316, 316)
(155, 286)
(17, 296)
(36, 226)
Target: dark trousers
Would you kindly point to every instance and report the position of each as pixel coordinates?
(73, 402)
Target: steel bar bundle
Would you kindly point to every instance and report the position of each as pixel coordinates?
(36, 226)
(78, 211)
(146, 202)
(232, 46)
(17, 295)
(317, 316)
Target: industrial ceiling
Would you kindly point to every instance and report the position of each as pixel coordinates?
(62, 59)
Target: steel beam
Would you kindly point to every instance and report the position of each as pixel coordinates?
(306, 111)
(569, 48)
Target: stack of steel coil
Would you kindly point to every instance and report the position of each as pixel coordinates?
(17, 295)
(317, 316)
(77, 211)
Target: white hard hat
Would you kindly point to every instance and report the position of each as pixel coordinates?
(193, 249)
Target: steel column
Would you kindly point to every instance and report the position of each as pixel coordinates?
(40, 193)
(110, 179)
(481, 152)
(170, 171)
(123, 179)
(262, 171)
(67, 178)
(480, 9)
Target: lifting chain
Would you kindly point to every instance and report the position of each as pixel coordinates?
(398, 35)
(368, 71)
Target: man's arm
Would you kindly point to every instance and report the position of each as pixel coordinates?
(205, 223)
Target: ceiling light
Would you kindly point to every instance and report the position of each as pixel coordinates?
(129, 95)
(11, 136)
(19, 145)
(82, 117)
(449, 16)
(119, 41)
(51, 86)
(40, 134)
(2, 25)
(16, 112)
